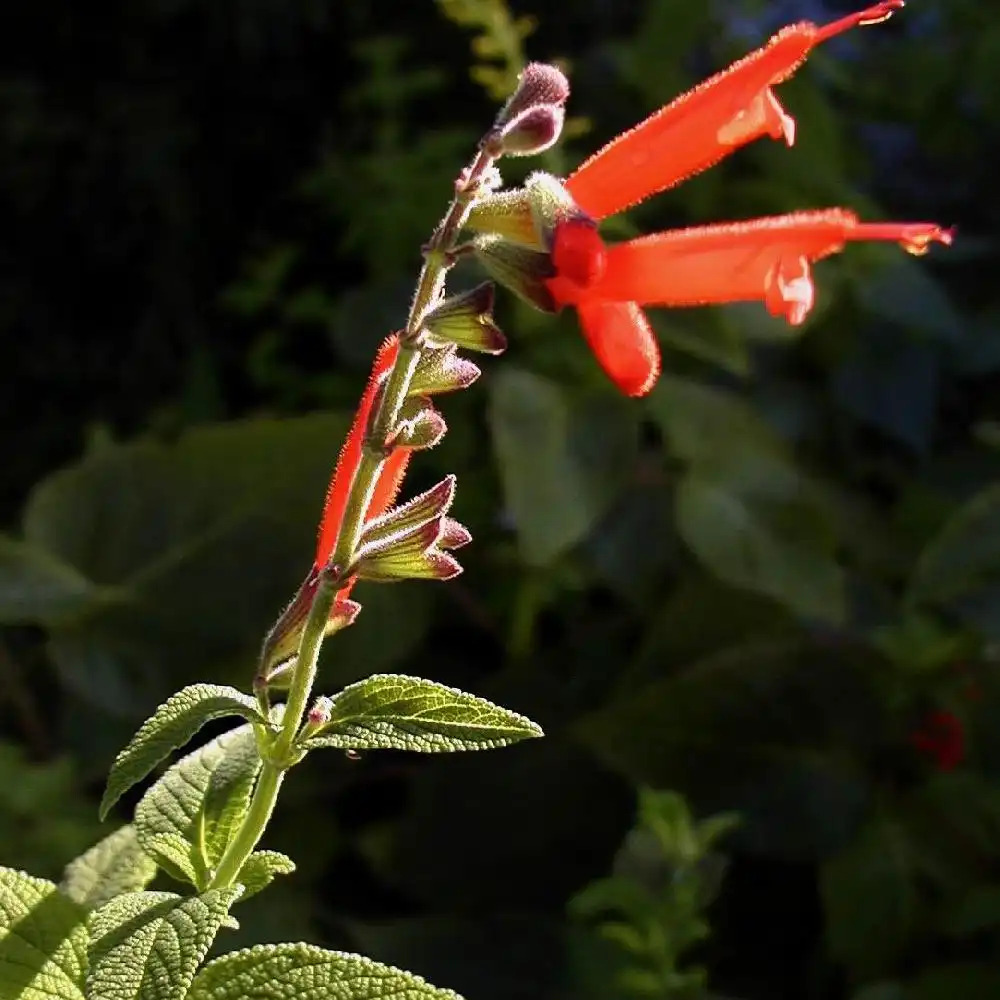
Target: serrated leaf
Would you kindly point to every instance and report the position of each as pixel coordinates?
(562, 466)
(43, 940)
(115, 865)
(148, 945)
(187, 818)
(260, 870)
(38, 588)
(393, 712)
(303, 971)
(170, 727)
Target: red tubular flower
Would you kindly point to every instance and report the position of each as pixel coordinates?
(389, 480)
(766, 260)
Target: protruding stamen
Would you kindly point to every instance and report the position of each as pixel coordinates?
(875, 14)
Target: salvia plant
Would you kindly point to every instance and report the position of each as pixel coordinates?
(101, 934)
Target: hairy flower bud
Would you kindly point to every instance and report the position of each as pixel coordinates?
(523, 271)
(408, 542)
(466, 320)
(533, 131)
(527, 216)
(282, 642)
(538, 84)
(442, 371)
(420, 425)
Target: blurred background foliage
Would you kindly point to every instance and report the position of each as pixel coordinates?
(773, 587)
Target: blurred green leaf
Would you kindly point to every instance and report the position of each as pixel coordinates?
(870, 899)
(37, 588)
(968, 981)
(768, 729)
(115, 865)
(743, 508)
(204, 541)
(963, 560)
(753, 534)
(562, 465)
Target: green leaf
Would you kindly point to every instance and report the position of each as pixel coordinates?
(768, 728)
(37, 588)
(393, 712)
(704, 424)
(186, 820)
(743, 508)
(210, 535)
(43, 940)
(962, 981)
(963, 559)
(170, 727)
(870, 899)
(305, 972)
(115, 865)
(148, 945)
(753, 533)
(260, 870)
(562, 466)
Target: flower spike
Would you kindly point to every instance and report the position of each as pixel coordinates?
(705, 124)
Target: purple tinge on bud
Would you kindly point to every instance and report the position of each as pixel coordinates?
(519, 269)
(453, 534)
(420, 425)
(416, 555)
(282, 642)
(407, 543)
(466, 320)
(532, 131)
(539, 83)
(440, 371)
(320, 712)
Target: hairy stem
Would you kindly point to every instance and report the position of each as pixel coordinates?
(252, 828)
(429, 289)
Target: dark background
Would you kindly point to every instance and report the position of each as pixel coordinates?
(767, 587)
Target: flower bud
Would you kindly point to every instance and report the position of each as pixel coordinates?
(533, 131)
(527, 216)
(420, 425)
(406, 543)
(453, 534)
(465, 320)
(538, 84)
(440, 371)
(521, 270)
(282, 642)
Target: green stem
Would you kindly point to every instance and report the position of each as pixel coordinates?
(252, 828)
(281, 757)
